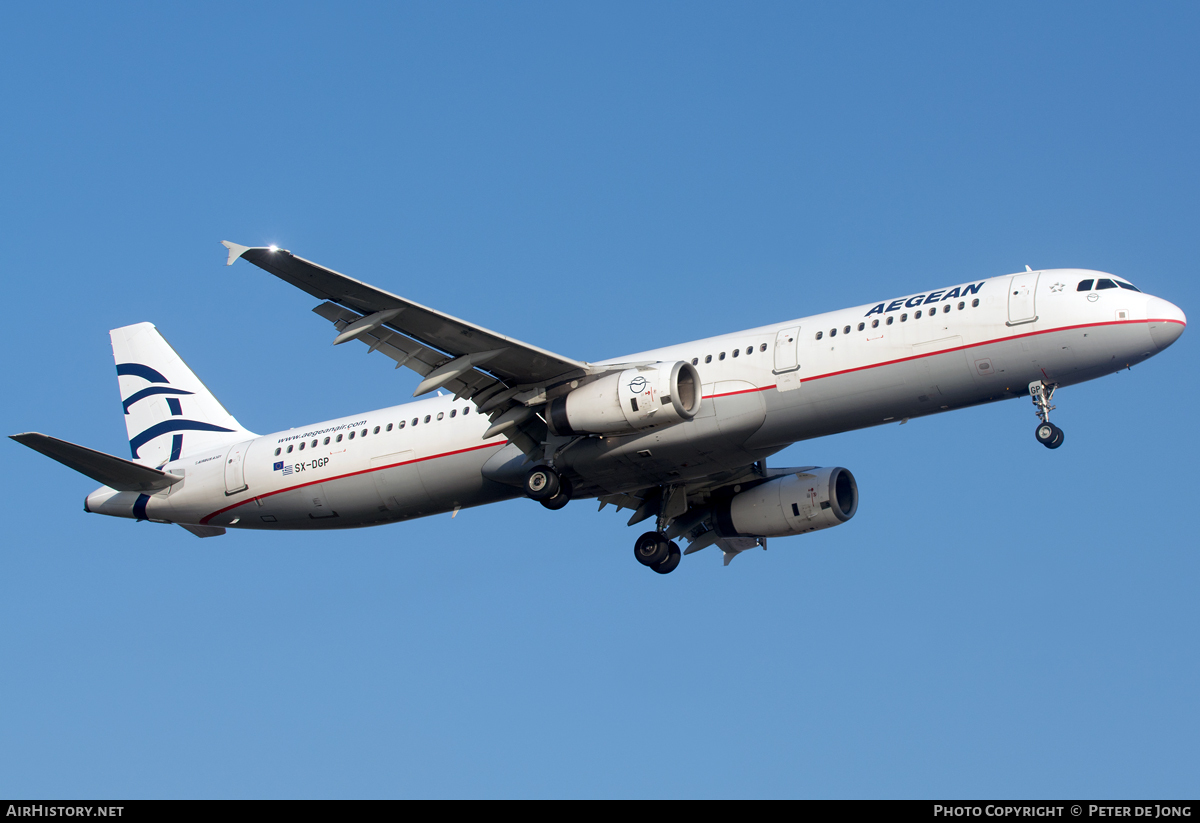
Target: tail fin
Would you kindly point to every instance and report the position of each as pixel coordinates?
(165, 403)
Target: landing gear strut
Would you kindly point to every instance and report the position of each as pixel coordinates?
(654, 550)
(1048, 434)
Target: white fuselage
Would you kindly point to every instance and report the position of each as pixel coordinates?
(764, 389)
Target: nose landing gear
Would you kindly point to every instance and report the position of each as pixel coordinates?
(1048, 434)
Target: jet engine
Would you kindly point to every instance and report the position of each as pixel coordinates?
(794, 504)
(645, 397)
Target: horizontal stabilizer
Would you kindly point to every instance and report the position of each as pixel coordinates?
(204, 531)
(114, 472)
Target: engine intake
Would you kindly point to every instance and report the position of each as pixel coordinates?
(633, 400)
(795, 504)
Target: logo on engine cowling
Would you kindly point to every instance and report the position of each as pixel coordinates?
(638, 384)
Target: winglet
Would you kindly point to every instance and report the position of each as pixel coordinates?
(235, 251)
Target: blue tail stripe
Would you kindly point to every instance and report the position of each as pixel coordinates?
(153, 390)
(139, 507)
(138, 370)
(174, 406)
(172, 425)
(176, 446)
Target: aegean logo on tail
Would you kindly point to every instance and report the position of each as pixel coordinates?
(173, 404)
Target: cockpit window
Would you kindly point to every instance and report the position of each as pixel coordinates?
(1129, 286)
(1105, 283)
(1085, 285)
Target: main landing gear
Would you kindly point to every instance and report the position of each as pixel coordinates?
(1048, 434)
(653, 549)
(544, 485)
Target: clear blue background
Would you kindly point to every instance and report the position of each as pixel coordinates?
(998, 620)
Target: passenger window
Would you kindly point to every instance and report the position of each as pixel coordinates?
(289, 449)
(376, 431)
(695, 361)
(277, 451)
(1085, 285)
(916, 316)
(400, 425)
(763, 347)
(415, 421)
(875, 323)
(708, 358)
(466, 409)
(1129, 286)
(736, 352)
(302, 445)
(846, 330)
(975, 303)
(441, 415)
(933, 311)
(314, 443)
(426, 418)
(722, 357)
(890, 319)
(339, 438)
(389, 427)
(833, 332)
(351, 435)
(962, 306)
(904, 318)
(327, 440)
(820, 334)
(453, 412)
(862, 326)
(749, 350)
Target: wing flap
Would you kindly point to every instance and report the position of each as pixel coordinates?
(114, 472)
(407, 352)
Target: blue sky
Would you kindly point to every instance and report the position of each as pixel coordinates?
(997, 620)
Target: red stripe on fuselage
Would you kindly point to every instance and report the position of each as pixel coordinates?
(956, 348)
(204, 520)
(986, 343)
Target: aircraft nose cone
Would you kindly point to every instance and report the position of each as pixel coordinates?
(1167, 322)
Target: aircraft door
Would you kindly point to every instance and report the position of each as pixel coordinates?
(787, 365)
(1022, 290)
(235, 468)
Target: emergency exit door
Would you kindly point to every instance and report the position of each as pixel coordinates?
(787, 364)
(1022, 293)
(235, 468)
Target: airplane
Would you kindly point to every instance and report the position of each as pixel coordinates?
(680, 434)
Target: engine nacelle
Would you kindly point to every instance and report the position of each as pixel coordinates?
(794, 504)
(645, 397)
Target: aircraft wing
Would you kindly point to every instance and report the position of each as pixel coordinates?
(452, 353)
